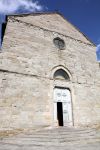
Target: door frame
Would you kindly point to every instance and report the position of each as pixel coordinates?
(56, 122)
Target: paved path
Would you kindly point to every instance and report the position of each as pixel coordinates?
(53, 139)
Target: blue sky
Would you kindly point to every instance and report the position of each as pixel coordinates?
(84, 14)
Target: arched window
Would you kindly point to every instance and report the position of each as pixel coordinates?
(61, 74)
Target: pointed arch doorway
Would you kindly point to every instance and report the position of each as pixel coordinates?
(62, 100)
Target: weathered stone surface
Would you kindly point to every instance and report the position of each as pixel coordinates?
(27, 63)
(54, 22)
(53, 139)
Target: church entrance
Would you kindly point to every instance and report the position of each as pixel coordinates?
(62, 106)
(60, 113)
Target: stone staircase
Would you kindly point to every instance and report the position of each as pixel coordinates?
(61, 138)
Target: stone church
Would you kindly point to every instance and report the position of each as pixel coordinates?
(48, 74)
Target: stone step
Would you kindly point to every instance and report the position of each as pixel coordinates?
(62, 131)
(46, 134)
(58, 136)
(49, 139)
(57, 143)
(44, 138)
(45, 141)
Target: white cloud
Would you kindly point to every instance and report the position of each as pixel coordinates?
(98, 41)
(98, 52)
(98, 47)
(11, 6)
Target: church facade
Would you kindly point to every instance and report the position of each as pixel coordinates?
(48, 74)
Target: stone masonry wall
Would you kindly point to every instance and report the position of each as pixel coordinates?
(27, 60)
(54, 22)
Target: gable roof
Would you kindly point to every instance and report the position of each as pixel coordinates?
(53, 21)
